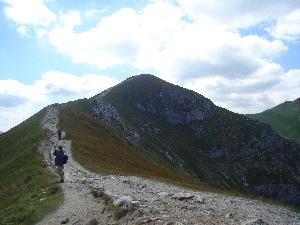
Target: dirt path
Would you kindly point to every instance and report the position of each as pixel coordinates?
(79, 205)
(134, 200)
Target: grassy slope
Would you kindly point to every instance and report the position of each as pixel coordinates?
(219, 129)
(100, 149)
(23, 175)
(284, 118)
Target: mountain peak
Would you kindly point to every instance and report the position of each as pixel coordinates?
(196, 137)
(137, 83)
(142, 76)
(142, 80)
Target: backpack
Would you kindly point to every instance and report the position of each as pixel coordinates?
(65, 159)
(60, 158)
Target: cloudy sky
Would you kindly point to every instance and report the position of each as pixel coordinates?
(243, 55)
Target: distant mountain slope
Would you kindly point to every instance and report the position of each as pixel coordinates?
(284, 118)
(24, 179)
(187, 130)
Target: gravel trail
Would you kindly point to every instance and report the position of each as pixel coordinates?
(134, 200)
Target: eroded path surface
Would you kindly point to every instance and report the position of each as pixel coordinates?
(79, 205)
(134, 200)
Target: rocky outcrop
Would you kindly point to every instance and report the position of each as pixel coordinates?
(176, 108)
(107, 113)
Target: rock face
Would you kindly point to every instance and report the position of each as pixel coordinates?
(221, 148)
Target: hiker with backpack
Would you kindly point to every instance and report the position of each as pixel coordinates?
(60, 160)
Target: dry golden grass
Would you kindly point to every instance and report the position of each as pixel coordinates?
(100, 149)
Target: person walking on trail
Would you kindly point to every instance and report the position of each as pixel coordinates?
(59, 132)
(60, 160)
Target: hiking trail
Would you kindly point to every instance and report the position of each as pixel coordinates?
(91, 199)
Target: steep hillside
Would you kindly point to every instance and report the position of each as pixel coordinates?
(214, 145)
(27, 191)
(284, 118)
(99, 148)
(115, 199)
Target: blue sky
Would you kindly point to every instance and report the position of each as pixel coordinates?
(243, 55)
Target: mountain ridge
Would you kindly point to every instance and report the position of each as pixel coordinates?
(161, 121)
(111, 199)
(222, 148)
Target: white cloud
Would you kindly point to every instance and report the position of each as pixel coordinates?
(146, 41)
(29, 12)
(22, 30)
(18, 89)
(287, 27)
(268, 87)
(74, 87)
(235, 13)
(111, 42)
(69, 19)
(195, 43)
(12, 116)
(19, 101)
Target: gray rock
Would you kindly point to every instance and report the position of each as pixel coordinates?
(199, 199)
(183, 196)
(255, 222)
(77, 222)
(229, 216)
(125, 201)
(169, 223)
(65, 221)
(93, 222)
(163, 194)
(98, 192)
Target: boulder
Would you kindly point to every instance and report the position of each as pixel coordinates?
(65, 221)
(125, 201)
(183, 196)
(93, 222)
(199, 199)
(163, 194)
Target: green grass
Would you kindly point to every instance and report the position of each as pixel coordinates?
(284, 118)
(100, 149)
(27, 190)
(216, 154)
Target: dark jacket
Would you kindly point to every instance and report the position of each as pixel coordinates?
(60, 157)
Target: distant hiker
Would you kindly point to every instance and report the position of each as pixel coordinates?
(59, 131)
(60, 160)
